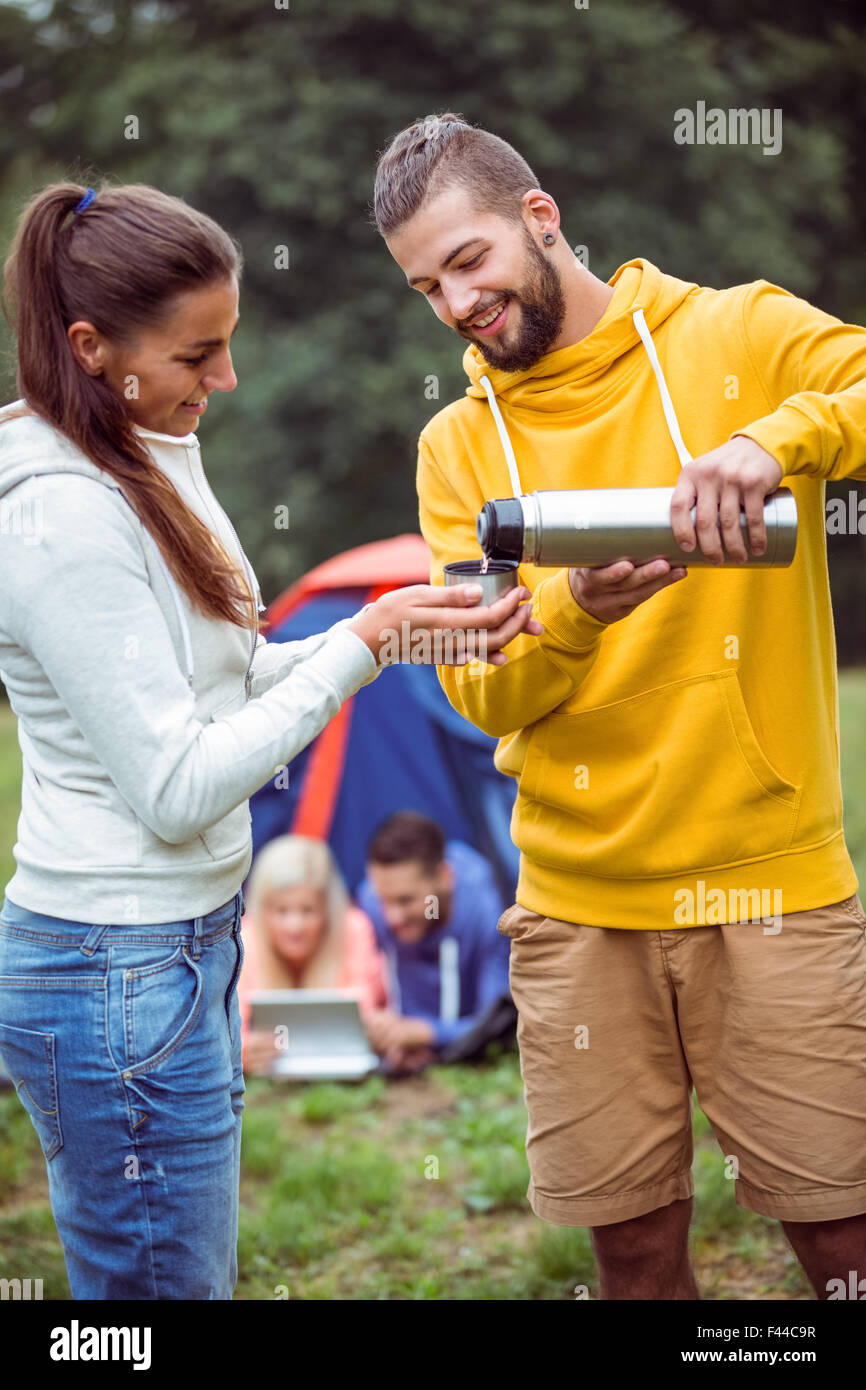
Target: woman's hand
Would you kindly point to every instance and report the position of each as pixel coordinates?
(429, 624)
(259, 1053)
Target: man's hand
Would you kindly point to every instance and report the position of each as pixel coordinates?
(393, 1036)
(611, 592)
(410, 1059)
(738, 473)
(381, 1025)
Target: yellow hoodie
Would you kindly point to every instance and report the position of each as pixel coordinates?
(681, 766)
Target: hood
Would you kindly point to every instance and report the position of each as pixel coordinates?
(552, 383)
(30, 446)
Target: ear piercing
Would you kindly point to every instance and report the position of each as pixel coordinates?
(549, 238)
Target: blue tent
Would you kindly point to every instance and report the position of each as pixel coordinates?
(396, 745)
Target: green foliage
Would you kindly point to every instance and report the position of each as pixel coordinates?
(334, 1209)
(852, 738)
(270, 120)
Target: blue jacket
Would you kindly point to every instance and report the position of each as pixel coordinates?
(453, 975)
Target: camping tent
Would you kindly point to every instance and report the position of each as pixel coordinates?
(395, 745)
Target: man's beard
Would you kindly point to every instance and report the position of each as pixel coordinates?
(542, 312)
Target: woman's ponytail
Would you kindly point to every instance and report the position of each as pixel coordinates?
(117, 263)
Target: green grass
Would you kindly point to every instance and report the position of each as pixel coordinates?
(10, 789)
(416, 1189)
(852, 726)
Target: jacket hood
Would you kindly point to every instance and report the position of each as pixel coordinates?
(30, 446)
(552, 383)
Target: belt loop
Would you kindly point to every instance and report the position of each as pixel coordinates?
(92, 940)
(196, 937)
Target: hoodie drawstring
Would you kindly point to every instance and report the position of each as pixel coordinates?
(671, 420)
(449, 980)
(503, 435)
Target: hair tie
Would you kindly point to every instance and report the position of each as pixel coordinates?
(85, 201)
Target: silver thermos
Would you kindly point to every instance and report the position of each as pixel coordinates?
(597, 526)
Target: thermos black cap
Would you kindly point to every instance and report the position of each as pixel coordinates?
(499, 528)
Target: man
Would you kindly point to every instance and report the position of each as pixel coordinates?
(435, 908)
(686, 908)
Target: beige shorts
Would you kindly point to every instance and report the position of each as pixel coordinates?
(615, 1027)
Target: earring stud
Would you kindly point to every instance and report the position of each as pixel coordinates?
(549, 238)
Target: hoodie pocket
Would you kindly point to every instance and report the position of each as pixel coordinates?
(104, 832)
(231, 704)
(665, 782)
(227, 837)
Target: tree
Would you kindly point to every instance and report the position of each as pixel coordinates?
(270, 120)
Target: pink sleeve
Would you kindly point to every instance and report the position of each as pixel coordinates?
(363, 964)
(248, 980)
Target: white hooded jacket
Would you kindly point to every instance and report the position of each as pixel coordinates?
(144, 725)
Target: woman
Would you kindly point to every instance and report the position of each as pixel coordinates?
(149, 710)
(302, 931)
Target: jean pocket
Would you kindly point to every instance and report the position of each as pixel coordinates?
(517, 920)
(29, 1058)
(853, 908)
(161, 1003)
(235, 977)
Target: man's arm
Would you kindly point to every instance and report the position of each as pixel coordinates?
(541, 671)
(813, 371)
(812, 368)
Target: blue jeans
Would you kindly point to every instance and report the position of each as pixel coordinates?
(124, 1045)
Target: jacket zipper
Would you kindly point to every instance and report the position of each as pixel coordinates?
(253, 583)
(257, 599)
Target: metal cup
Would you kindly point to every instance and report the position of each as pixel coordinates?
(500, 577)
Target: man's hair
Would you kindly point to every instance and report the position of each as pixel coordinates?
(436, 152)
(408, 836)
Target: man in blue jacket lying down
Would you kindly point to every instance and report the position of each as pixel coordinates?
(435, 909)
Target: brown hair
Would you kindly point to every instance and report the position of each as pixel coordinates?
(118, 263)
(408, 836)
(437, 151)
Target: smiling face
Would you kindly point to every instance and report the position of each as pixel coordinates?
(295, 919)
(414, 901)
(166, 374)
(485, 276)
